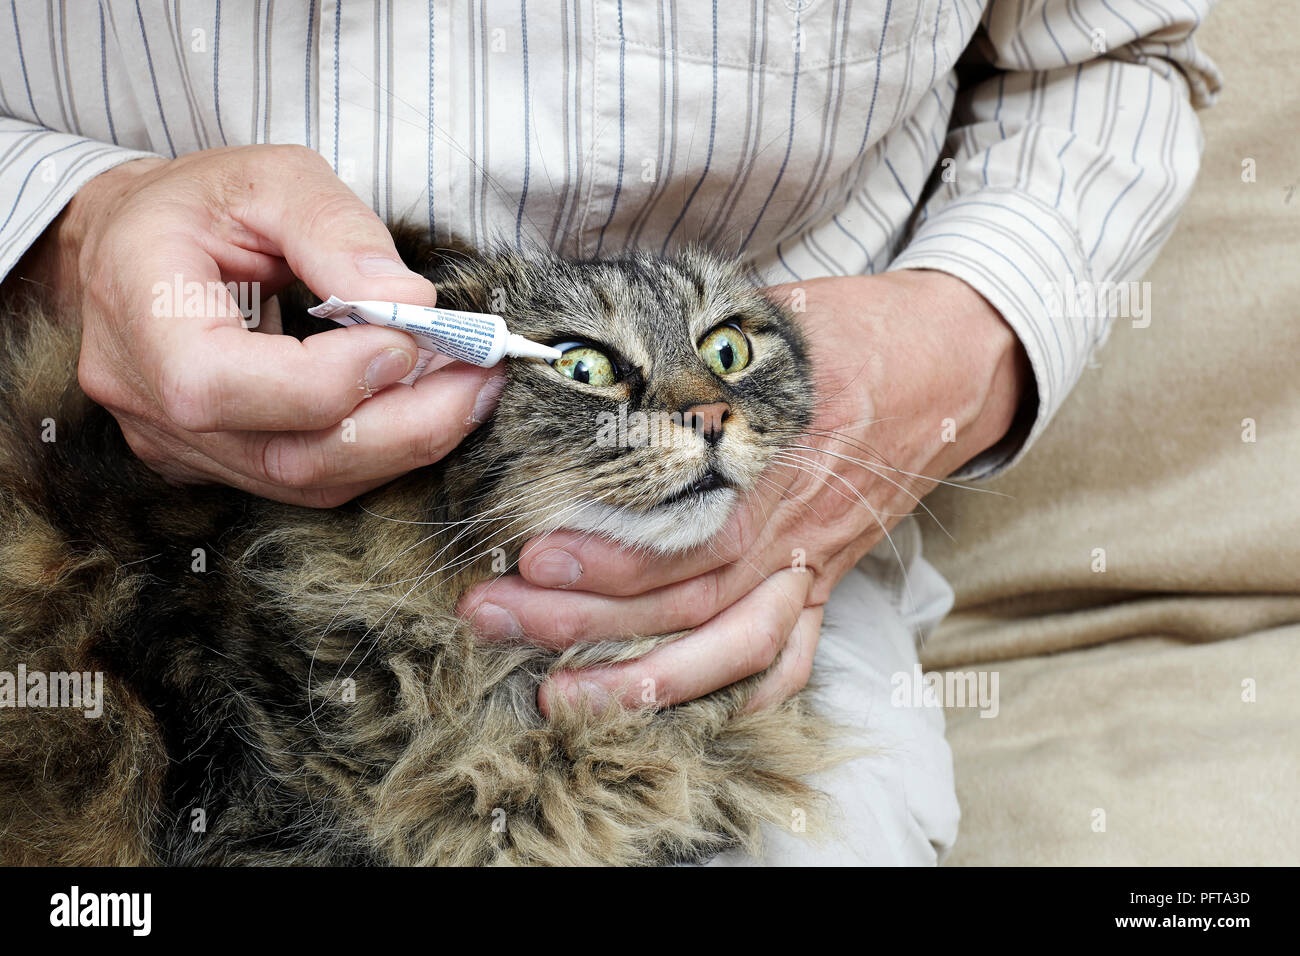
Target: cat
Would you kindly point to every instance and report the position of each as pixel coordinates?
(287, 685)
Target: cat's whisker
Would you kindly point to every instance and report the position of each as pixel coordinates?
(871, 468)
(863, 423)
(858, 444)
(523, 490)
(783, 493)
(902, 566)
(362, 586)
(805, 466)
(881, 463)
(348, 600)
(510, 516)
(791, 458)
(520, 486)
(460, 560)
(567, 509)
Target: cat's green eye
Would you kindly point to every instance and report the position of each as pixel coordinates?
(725, 350)
(586, 365)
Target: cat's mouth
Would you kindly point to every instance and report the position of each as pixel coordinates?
(683, 519)
(711, 480)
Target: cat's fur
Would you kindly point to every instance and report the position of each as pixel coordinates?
(310, 696)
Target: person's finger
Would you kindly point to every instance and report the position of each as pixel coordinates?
(192, 354)
(401, 428)
(512, 608)
(794, 666)
(229, 378)
(180, 463)
(743, 640)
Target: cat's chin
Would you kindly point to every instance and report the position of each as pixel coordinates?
(668, 528)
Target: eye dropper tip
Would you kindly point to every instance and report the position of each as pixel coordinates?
(519, 347)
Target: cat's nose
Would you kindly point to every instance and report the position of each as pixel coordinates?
(707, 419)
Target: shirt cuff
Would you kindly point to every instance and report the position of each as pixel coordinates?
(43, 171)
(1026, 260)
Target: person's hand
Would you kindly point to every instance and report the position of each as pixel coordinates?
(206, 397)
(894, 357)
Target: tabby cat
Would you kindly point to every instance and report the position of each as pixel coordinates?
(305, 694)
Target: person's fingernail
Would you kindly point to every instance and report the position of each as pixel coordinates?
(495, 623)
(379, 266)
(583, 693)
(554, 568)
(387, 367)
(486, 401)
(592, 694)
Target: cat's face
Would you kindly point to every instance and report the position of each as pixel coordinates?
(678, 383)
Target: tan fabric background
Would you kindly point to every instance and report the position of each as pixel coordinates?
(1201, 533)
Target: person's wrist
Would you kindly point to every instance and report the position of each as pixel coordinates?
(52, 265)
(96, 200)
(983, 358)
(1009, 373)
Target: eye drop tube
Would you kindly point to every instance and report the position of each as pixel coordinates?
(474, 337)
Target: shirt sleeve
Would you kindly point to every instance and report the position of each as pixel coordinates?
(1073, 146)
(40, 171)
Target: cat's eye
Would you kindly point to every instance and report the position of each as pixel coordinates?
(584, 364)
(725, 350)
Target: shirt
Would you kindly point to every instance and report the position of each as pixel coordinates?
(1032, 148)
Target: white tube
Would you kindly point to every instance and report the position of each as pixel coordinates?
(478, 338)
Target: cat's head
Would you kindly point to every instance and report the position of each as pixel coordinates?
(678, 382)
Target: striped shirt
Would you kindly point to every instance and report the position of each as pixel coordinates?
(1026, 147)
